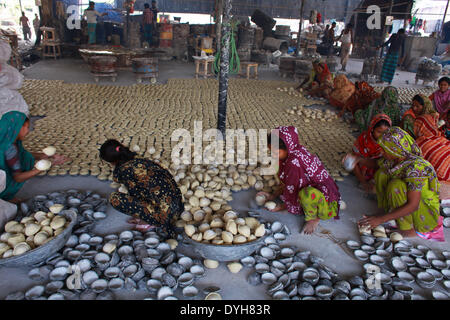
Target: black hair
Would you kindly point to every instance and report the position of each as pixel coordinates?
(350, 25)
(419, 99)
(281, 143)
(334, 23)
(146, 6)
(382, 123)
(446, 79)
(401, 31)
(114, 152)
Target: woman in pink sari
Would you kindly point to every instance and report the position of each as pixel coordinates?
(306, 188)
(441, 97)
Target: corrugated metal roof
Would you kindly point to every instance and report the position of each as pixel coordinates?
(401, 9)
(288, 9)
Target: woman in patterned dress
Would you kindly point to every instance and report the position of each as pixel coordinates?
(153, 198)
(306, 188)
(366, 146)
(387, 103)
(407, 188)
(421, 105)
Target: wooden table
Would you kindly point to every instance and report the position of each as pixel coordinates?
(207, 67)
(248, 66)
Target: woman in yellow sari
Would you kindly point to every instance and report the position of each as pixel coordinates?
(407, 188)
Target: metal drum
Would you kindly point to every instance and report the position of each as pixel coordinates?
(102, 64)
(145, 68)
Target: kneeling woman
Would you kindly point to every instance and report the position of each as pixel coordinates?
(366, 146)
(153, 198)
(407, 188)
(307, 188)
(320, 81)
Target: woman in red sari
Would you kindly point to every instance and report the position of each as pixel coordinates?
(367, 147)
(435, 147)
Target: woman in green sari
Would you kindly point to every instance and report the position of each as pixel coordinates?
(407, 188)
(14, 159)
(387, 104)
(421, 105)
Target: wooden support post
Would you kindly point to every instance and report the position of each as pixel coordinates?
(445, 16)
(300, 26)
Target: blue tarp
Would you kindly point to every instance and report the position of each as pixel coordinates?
(113, 16)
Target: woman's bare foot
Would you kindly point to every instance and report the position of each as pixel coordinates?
(135, 221)
(311, 226)
(408, 233)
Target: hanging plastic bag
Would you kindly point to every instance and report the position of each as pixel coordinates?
(5, 51)
(8, 210)
(10, 77)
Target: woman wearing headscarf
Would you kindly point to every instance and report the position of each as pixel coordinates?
(441, 97)
(396, 50)
(407, 188)
(366, 146)
(446, 127)
(342, 91)
(14, 159)
(420, 105)
(363, 96)
(306, 188)
(434, 146)
(387, 104)
(320, 81)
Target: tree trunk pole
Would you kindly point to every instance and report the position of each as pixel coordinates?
(300, 27)
(224, 67)
(445, 16)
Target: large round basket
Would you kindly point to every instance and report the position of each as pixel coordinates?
(39, 254)
(225, 253)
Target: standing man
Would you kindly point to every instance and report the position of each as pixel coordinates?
(25, 26)
(331, 39)
(155, 11)
(346, 39)
(91, 16)
(36, 24)
(397, 45)
(148, 24)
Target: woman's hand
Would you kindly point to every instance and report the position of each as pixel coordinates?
(371, 222)
(279, 207)
(269, 197)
